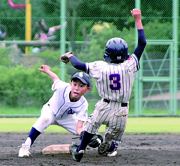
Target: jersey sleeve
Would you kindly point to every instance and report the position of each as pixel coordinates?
(133, 63)
(93, 69)
(141, 44)
(77, 64)
(58, 84)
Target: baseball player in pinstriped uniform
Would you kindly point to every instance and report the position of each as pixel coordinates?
(61, 108)
(114, 80)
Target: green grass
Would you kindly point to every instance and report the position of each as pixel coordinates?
(19, 110)
(155, 111)
(36, 110)
(153, 125)
(135, 125)
(32, 110)
(143, 125)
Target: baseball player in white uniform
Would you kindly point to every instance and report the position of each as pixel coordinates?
(114, 80)
(66, 108)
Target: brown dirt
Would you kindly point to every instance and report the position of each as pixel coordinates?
(138, 150)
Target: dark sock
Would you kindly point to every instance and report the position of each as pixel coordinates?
(85, 140)
(33, 134)
(113, 145)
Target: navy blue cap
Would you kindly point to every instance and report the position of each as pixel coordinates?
(83, 77)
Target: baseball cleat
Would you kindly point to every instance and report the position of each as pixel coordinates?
(112, 150)
(106, 149)
(24, 151)
(113, 153)
(76, 155)
(103, 148)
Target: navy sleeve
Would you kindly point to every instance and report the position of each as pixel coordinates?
(77, 64)
(141, 44)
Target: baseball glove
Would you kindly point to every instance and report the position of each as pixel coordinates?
(96, 140)
(65, 58)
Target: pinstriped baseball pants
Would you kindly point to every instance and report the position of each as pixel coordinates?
(110, 114)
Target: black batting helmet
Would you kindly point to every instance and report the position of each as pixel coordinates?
(116, 51)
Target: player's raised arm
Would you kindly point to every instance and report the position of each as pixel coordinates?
(46, 69)
(136, 13)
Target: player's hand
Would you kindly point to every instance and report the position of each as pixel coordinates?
(44, 68)
(136, 13)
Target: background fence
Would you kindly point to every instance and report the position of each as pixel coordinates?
(85, 27)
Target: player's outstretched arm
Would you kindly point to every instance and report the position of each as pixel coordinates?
(69, 56)
(136, 13)
(46, 69)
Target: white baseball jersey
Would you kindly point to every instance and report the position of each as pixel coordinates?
(114, 81)
(61, 106)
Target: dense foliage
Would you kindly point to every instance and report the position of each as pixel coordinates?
(93, 22)
(22, 85)
(80, 15)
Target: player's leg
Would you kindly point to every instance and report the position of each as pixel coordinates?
(46, 119)
(51, 31)
(109, 147)
(114, 133)
(93, 123)
(91, 127)
(57, 27)
(44, 27)
(77, 151)
(69, 123)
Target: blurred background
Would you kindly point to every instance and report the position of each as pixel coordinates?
(34, 32)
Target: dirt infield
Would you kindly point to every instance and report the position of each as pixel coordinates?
(135, 150)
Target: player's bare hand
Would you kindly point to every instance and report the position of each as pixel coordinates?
(136, 13)
(44, 68)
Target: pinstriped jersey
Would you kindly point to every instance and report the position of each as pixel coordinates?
(114, 81)
(61, 105)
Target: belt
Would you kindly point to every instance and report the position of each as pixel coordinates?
(122, 104)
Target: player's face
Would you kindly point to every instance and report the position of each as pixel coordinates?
(78, 89)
